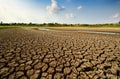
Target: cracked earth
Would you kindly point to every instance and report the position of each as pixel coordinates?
(38, 54)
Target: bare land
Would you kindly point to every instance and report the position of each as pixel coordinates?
(99, 29)
(27, 53)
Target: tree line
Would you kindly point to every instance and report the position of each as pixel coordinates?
(56, 24)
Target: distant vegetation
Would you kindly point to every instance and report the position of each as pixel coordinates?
(3, 25)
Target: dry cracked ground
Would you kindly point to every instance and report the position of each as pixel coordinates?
(38, 54)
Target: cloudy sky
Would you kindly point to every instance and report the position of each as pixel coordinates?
(60, 11)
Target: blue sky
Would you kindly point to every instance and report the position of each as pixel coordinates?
(60, 11)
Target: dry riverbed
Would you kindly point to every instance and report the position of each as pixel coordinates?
(27, 53)
(101, 29)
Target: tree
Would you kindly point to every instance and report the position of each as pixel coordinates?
(30, 23)
(1, 23)
(119, 22)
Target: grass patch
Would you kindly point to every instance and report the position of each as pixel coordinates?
(16, 26)
(6, 27)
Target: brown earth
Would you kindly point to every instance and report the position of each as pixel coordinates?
(38, 54)
(101, 29)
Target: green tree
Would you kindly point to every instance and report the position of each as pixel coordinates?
(1, 23)
(119, 22)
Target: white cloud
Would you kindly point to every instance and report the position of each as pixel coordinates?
(116, 15)
(22, 11)
(54, 8)
(79, 7)
(19, 11)
(14, 11)
(69, 15)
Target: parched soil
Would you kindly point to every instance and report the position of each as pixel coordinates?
(40, 54)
